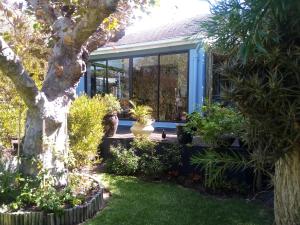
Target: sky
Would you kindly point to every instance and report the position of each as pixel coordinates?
(169, 11)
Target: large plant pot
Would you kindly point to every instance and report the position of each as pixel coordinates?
(183, 137)
(110, 122)
(225, 141)
(139, 129)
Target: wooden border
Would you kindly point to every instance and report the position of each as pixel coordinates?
(70, 216)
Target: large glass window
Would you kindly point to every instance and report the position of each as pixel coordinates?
(98, 78)
(218, 80)
(118, 78)
(145, 82)
(173, 87)
(160, 81)
(118, 83)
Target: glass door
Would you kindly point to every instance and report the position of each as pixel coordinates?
(173, 89)
(145, 82)
(118, 83)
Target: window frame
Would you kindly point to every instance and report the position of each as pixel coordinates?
(130, 74)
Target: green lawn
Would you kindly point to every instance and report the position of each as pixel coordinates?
(135, 202)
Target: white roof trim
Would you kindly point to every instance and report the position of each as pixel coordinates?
(147, 45)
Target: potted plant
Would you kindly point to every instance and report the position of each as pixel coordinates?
(218, 126)
(186, 131)
(221, 125)
(143, 125)
(111, 120)
(183, 135)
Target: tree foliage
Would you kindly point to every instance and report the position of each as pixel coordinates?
(29, 29)
(27, 40)
(261, 40)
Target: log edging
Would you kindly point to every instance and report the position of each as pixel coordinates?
(70, 216)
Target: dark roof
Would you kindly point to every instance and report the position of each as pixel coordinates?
(183, 28)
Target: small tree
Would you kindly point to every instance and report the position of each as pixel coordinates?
(72, 30)
(260, 39)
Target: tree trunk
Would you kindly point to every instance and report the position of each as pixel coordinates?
(32, 145)
(287, 189)
(45, 147)
(45, 143)
(55, 149)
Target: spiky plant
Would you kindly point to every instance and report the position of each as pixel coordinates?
(142, 113)
(261, 41)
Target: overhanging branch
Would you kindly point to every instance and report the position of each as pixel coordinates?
(12, 67)
(101, 37)
(44, 10)
(104, 33)
(91, 20)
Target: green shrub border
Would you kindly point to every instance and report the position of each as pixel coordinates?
(70, 216)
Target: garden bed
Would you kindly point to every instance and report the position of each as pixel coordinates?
(236, 179)
(69, 216)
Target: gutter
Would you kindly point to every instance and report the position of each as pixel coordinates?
(174, 42)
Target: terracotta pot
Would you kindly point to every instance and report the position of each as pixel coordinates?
(142, 129)
(110, 122)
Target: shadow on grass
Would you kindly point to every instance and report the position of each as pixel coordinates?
(135, 202)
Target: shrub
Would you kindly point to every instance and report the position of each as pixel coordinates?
(143, 158)
(123, 161)
(149, 163)
(9, 177)
(112, 104)
(12, 113)
(143, 144)
(8, 184)
(170, 157)
(38, 193)
(218, 121)
(86, 129)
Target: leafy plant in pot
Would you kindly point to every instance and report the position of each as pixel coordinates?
(221, 125)
(183, 136)
(218, 126)
(143, 124)
(185, 132)
(111, 120)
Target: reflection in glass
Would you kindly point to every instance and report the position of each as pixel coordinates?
(160, 81)
(173, 87)
(118, 83)
(145, 82)
(98, 79)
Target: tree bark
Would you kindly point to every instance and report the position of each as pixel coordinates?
(45, 145)
(32, 145)
(287, 189)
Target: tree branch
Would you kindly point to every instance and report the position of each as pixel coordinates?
(44, 10)
(12, 67)
(105, 34)
(91, 20)
(101, 37)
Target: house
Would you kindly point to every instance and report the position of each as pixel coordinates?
(163, 67)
